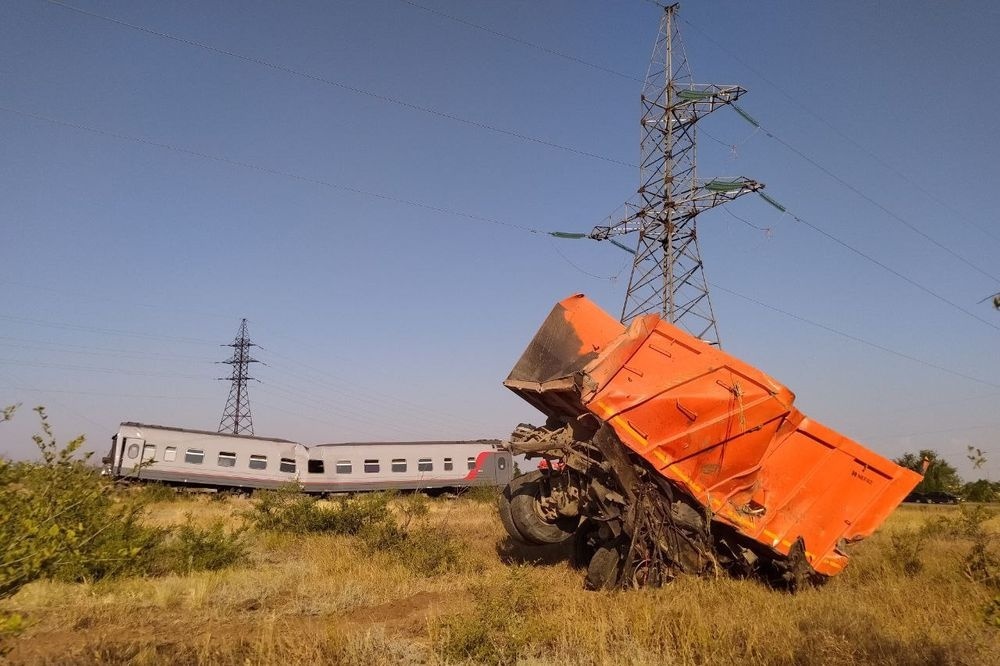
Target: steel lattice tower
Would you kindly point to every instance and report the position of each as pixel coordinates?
(236, 419)
(667, 275)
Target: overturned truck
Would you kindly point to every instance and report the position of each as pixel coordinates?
(663, 455)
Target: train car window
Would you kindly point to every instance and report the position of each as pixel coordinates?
(287, 465)
(472, 463)
(227, 459)
(315, 466)
(448, 466)
(148, 452)
(258, 462)
(371, 466)
(194, 456)
(425, 465)
(170, 453)
(398, 464)
(501, 463)
(344, 467)
(133, 451)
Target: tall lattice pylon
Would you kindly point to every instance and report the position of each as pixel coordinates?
(667, 274)
(236, 419)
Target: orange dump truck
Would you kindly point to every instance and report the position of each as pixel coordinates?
(669, 456)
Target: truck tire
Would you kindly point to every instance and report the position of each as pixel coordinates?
(503, 507)
(527, 520)
(604, 569)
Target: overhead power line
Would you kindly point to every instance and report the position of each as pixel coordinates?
(425, 206)
(359, 394)
(927, 290)
(28, 389)
(344, 86)
(750, 119)
(767, 131)
(525, 42)
(106, 331)
(265, 169)
(56, 348)
(880, 264)
(385, 98)
(794, 99)
(855, 338)
(90, 368)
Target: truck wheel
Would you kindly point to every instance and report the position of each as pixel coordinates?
(527, 518)
(604, 569)
(503, 507)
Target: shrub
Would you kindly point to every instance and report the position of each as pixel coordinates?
(982, 563)
(425, 550)
(481, 494)
(60, 519)
(509, 618)
(192, 548)
(905, 550)
(432, 552)
(289, 510)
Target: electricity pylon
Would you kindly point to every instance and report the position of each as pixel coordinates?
(236, 418)
(667, 274)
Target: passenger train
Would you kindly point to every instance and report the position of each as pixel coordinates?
(200, 458)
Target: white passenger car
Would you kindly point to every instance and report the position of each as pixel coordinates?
(215, 460)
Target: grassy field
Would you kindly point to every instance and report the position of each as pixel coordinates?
(315, 598)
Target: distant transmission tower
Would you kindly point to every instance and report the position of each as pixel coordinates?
(236, 419)
(667, 276)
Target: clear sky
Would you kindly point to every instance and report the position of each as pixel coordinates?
(154, 191)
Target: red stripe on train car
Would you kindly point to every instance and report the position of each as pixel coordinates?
(474, 472)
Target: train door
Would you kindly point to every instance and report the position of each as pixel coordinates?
(129, 454)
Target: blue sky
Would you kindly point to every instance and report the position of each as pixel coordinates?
(153, 192)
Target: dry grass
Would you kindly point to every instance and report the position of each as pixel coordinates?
(324, 599)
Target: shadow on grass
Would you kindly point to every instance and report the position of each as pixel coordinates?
(514, 552)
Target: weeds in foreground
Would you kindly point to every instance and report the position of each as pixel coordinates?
(509, 621)
(191, 548)
(982, 563)
(481, 494)
(290, 510)
(60, 519)
(370, 518)
(905, 548)
(152, 491)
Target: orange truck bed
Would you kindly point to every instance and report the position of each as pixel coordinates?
(719, 428)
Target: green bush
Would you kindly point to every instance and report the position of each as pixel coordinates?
(982, 562)
(192, 548)
(369, 517)
(430, 552)
(906, 548)
(481, 494)
(289, 510)
(508, 620)
(60, 519)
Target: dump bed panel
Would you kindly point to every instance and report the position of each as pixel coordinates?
(721, 429)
